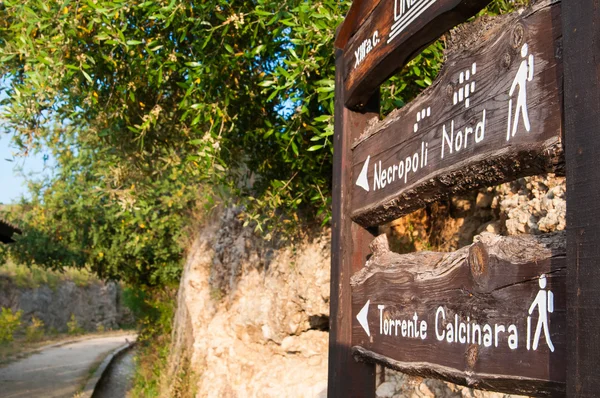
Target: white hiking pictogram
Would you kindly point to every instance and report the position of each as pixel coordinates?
(524, 74)
(544, 301)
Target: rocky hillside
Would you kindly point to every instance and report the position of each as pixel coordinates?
(252, 316)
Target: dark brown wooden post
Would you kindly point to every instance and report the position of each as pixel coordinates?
(349, 248)
(581, 35)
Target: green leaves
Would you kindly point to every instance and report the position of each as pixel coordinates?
(417, 75)
(87, 76)
(143, 103)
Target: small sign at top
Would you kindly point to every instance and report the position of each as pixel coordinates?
(393, 33)
(405, 12)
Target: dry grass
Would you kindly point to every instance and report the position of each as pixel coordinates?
(35, 276)
(151, 380)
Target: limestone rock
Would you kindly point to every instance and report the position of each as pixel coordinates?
(386, 390)
(266, 333)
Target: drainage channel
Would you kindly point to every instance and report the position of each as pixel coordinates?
(118, 377)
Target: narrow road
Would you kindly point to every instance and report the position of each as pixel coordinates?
(57, 372)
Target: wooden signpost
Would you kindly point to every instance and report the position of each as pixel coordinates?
(505, 314)
(490, 316)
(492, 116)
(394, 32)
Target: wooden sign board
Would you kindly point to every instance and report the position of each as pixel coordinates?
(506, 314)
(490, 316)
(493, 115)
(393, 33)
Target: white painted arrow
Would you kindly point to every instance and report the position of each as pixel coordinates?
(363, 181)
(362, 317)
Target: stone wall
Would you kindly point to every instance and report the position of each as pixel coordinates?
(96, 304)
(252, 316)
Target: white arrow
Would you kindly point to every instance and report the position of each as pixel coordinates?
(363, 181)
(362, 317)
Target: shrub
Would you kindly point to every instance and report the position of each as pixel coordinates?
(9, 322)
(35, 331)
(73, 326)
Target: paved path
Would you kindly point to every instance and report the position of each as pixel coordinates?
(56, 372)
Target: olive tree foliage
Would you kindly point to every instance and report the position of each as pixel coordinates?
(149, 105)
(144, 103)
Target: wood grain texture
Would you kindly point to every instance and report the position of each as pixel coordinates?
(492, 282)
(489, 61)
(400, 36)
(357, 14)
(349, 247)
(581, 22)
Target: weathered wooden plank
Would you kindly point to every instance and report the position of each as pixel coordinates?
(349, 247)
(470, 128)
(581, 22)
(394, 32)
(463, 316)
(357, 14)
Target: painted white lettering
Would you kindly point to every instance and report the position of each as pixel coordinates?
(375, 38)
(423, 330)
(480, 129)
(376, 178)
(462, 329)
(465, 331)
(449, 333)
(438, 312)
(468, 330)
(384, 175)
(365, 48)
(468, 130)
(456, 328)
(487, 335)
(415, 318)
(380, 307)
(497, 330)
(459, 141)
(447, 139)
(513, 339)
(408, 164)
(476, 328)
(400, 170)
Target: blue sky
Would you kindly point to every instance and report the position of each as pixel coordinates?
(13, 168)
(13, 183)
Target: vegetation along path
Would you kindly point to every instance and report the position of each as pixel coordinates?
(118, 378)
(58, 371)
